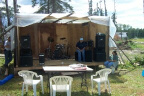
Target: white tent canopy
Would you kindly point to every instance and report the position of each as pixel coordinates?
(23, 20)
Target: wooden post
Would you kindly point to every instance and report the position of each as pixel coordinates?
(36, 39)
(18, 49)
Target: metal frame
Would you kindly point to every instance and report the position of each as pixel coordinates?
(82, 74)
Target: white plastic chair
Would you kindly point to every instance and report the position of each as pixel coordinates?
(103, 78)
(28, 77)
(60, 84)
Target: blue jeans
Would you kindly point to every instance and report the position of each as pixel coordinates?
(8, 57)
(108, 64)
(81, 53)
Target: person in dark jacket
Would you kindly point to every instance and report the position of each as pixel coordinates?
(81, 50)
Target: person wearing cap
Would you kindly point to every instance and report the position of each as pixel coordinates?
(7, 52)
(81, 50)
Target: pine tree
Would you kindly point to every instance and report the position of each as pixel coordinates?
(52, 6)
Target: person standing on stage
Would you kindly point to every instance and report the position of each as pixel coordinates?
(7, 52)
(81, 50)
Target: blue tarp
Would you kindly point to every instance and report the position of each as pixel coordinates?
(143, 73)
(6, 79)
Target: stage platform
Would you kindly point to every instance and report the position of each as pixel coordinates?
(62, 62)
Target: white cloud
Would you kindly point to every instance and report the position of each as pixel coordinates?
(131, 13)
(81, 8)
(28, 9)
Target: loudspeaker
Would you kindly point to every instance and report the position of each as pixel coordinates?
(85, 43)
(25, 42)
(100, 40)
(99, 50)
(41, 59)
(99, 57)
(76, 56)
(88, 55)
(25, 52)
(90, 43)
(26, 61)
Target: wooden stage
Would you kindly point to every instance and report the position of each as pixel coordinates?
(62, 62)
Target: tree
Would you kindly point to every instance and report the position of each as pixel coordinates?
(105, 8)
(52, 6)
(6, 17)
(114, 18)
(90, 8)
(98, 11)
(15, 6)
(0, 23)
(7, 13)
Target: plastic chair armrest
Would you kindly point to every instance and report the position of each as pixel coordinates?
(92, 76)
(41, 77)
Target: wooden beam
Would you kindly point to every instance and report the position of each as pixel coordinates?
(6, 30)
(57, 20)
(45, 18)
(71, 21)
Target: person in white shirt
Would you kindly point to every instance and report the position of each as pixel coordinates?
(7, 52)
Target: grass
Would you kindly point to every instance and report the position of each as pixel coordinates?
(2, 61)
(138, 45)
(123, 83)
(138, 39)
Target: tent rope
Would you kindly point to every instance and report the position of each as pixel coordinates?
(122, 52)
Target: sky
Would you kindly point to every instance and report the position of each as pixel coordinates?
(128, 12)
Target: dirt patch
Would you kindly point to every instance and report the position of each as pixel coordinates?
(140, 94)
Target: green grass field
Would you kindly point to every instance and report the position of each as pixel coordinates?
(123, 83)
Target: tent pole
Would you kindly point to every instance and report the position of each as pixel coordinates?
(120, 55)
(5, 31)
(122, 52)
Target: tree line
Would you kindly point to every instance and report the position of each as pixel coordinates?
(131, 32)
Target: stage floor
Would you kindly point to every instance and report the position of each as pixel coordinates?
(62, 62)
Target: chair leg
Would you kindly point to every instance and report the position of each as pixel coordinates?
(34, 90)
(92, 85)
(99, 89)
(68, 93)
(26, 88)
(42, 87)
(51, 91)
(105, 86)
(109, 86)
(54, 92)
(22, 89)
